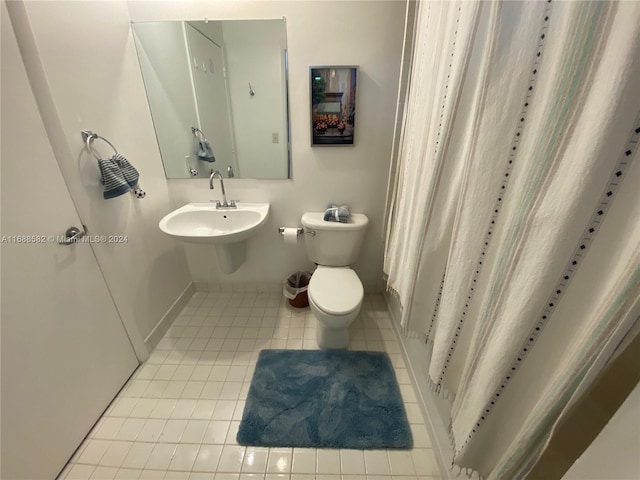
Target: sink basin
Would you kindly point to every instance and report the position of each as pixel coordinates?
(203, 223)
(227, 229)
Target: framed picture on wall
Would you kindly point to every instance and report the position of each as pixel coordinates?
(333, 104)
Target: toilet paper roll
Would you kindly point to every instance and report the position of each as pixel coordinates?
(290, 236)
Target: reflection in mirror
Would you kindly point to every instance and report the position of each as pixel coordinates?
(217, 91)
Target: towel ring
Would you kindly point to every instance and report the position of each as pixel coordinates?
(89, 138)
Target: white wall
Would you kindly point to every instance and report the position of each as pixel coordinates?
(614, 453)
(91, 80)
(368, 34)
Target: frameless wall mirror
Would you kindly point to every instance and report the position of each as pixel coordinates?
(217, 91)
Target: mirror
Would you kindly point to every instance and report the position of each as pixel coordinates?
(217, 92)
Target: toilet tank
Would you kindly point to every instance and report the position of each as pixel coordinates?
(334, 244)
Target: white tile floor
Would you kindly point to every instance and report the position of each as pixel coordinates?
(177, 418)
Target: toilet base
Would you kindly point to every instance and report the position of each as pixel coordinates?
(331, 338)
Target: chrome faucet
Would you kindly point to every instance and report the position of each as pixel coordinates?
(224, 204)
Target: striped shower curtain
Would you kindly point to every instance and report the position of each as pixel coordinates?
(513, 241)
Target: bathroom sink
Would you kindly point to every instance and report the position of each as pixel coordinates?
(204, 223)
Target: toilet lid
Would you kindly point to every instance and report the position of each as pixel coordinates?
(336, 291)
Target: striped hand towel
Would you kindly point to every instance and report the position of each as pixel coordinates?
(129, 172)
(112, 178)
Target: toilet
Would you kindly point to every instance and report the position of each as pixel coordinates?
(335, 292)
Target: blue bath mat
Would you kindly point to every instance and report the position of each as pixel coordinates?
(324, 398)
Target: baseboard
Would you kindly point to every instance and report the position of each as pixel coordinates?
(238, 287)
(167, 319)
(428, 403)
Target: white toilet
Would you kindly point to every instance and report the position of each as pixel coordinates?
(335, 292)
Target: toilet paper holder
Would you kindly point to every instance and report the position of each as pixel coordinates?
(300, 231)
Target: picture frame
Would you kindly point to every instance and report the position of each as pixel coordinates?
(333, 92)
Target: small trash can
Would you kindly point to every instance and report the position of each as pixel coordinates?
(295, 289)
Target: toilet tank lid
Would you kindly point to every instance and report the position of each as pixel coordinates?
(315, 220)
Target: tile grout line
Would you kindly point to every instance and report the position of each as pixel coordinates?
(133, 416)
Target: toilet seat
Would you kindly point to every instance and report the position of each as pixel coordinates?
(336, 290)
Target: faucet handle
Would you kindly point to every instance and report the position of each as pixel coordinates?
(232, 203)
(218, 204)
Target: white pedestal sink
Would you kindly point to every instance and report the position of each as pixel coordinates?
(225, 228)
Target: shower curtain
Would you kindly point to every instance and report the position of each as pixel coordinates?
(513, 236)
